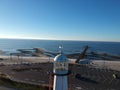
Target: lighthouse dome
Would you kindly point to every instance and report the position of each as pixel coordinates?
(60, 58)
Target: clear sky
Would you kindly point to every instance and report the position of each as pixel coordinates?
(94, 20)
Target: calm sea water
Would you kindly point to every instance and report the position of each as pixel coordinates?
(52, 45)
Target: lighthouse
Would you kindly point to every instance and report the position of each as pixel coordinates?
(60, 70)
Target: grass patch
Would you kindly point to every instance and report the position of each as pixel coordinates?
(20, 86)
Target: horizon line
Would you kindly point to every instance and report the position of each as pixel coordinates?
(59, 39)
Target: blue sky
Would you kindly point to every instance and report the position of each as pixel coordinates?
(94, 20)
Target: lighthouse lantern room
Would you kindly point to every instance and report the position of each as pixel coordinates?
(60, 65)
(61, 72)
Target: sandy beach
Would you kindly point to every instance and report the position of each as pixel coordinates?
(114, 65)
(21, 60)
(7, 60)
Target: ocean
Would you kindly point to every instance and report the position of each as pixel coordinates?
(52, 45)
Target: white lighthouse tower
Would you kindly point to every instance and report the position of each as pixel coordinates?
(61, 72)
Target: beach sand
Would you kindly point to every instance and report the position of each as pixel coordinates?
(24, 59)
(115, 65)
